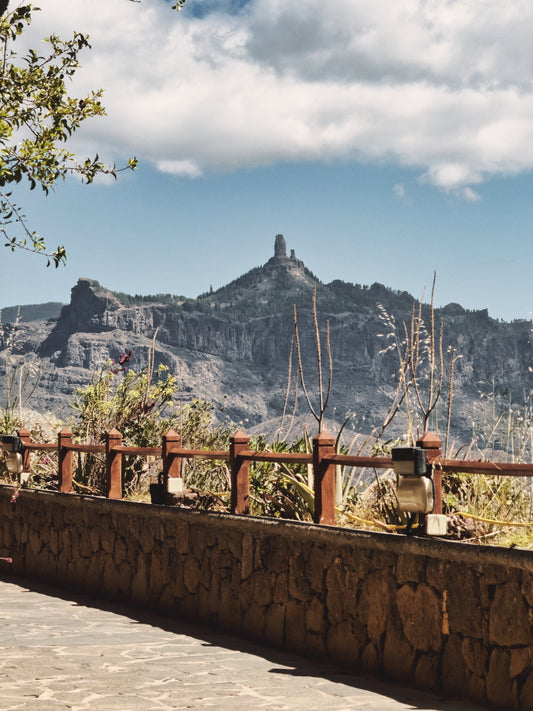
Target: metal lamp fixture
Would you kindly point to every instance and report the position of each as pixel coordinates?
(13, 447)
(415, 487)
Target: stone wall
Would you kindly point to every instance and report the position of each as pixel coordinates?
(442, 616)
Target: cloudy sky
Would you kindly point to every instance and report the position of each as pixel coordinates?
(386, 140)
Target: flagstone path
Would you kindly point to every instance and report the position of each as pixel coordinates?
(60, 651)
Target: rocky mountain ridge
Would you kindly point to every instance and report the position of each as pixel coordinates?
(232, 346)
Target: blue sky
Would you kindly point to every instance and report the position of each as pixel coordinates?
(384, 142)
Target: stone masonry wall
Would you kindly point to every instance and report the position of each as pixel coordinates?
(442, 616)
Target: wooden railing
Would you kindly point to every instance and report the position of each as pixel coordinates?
(323, 460)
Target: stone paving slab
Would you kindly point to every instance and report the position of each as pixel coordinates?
(60, 651)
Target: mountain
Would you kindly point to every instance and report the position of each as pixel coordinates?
(30, 312)
(232, 346)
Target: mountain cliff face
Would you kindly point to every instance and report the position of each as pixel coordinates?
(232, 346)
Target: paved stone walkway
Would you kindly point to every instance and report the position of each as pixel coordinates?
(58, 651)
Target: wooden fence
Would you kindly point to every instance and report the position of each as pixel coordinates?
(323, 460)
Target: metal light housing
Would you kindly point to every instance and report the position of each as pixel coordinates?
(415, 495)
(13, 447)
(415, 490)
(409, 461)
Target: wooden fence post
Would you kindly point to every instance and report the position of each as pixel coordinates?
(433, 446)
(64, 461)
(25, 436)
(324, 476)
(113, 438)
(240, 474)
(171, 465)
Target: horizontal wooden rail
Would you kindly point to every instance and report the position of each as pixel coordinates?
(42, 446)
(348, 460)
(277, 457)
(490, 468)
(199, 453)
(87, 448)
(138, 451)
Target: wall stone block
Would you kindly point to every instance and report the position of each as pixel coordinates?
(280, 587)
(465, 611)
(410, 569)
(299, 588)
(316, 567)
(345, 644)
(139, 584)
(166, 603)
(228, 613)
(526, 694)
(476, 655)
(125, 574)
(527, 587)
(500, 574)
(275, 625)
(453, 665)
(192, 574)
(119, 551)
(247, 555)
(254, 621)
(509, 621)
(35, 541)
(315, 645)
(375, 603)
(336, 601)
(187, 607)
(315, 617)
(420, 614)
(398, 656)
(521, 661)
(295, 630)
(427, 672)
(370, 659)
(261, 588)
(498, 681)
(475, 689)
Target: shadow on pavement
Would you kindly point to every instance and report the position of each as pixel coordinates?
(285, 662)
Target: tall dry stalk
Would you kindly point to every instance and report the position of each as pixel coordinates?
(428, 347)
(318, 411)
(279, 432)
(421, 370)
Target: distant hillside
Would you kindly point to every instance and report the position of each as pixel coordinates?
(31, 312)
(231, 346)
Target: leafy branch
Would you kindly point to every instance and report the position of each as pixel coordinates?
(37, 118)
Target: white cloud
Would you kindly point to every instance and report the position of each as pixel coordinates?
(399, 190)
(186, 168)
(445, 86)
(470, 195)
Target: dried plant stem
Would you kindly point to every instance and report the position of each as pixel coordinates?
(287, 391)
(323, 398)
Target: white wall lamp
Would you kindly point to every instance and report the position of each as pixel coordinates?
(415, 485)
(416, 491)
(13, 449)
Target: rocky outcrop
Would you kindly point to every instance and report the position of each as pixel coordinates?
(281, 260)
(232, 345)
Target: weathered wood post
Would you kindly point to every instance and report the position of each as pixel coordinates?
(240, 474)
(113, 439)
(433, 446)
(171, 465)
(25, 436)
(64, 461)
(324, 476)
